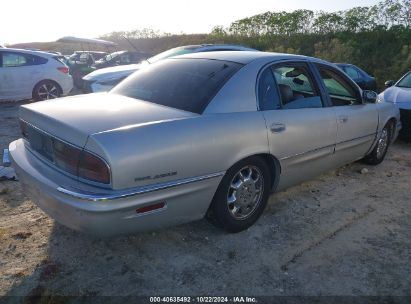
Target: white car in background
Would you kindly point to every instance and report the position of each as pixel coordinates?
(104, 80)
(35, 75)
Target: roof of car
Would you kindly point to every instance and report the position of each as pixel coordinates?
(244, 57)
(224, 46)
(92, 52)
(28, 52)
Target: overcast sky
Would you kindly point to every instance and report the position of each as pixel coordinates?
(48, 20)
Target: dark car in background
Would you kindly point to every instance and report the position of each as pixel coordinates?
(80, 64)
(105, 79)
(364, 80)
(120, 58)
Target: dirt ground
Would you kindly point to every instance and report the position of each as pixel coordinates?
(344, 233)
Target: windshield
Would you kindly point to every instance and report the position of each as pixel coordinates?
(185, 84)
(111, 56)
(405, 82)
(74, 56)
(172, 52)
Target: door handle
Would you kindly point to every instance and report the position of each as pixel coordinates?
(277, 127)
(343, 119)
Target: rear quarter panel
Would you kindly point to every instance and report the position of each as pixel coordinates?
(187, 147)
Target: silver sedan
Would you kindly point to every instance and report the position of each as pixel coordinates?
(200, 134)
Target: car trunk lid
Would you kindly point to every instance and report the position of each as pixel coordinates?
(73, 119)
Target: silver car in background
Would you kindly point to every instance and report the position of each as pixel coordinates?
(26, 74)
(104, 80)
(206, 133)
(399, 94)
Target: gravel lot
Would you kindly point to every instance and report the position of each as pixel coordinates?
(344, 233)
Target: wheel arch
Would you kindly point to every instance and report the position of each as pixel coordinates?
(43, 80)
(273, 165)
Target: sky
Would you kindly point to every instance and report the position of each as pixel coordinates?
(48, 20)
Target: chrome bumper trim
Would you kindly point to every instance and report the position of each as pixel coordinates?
(140, 190)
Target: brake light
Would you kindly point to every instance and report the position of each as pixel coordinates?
(64, 70)
(93, 168)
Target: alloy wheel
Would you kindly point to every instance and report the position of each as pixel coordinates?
(245, 192)
(48, 91)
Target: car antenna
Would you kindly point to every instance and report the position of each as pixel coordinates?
(134, 47)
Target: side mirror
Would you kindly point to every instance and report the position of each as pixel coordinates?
(369, 96)
(389, 83)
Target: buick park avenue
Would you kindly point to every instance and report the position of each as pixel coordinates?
(200, 134)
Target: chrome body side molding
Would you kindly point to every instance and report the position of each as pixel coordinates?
(136, 191)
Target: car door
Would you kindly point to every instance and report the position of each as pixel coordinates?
(301, 127)
(8, 76)
(20, 75)
(357, 121)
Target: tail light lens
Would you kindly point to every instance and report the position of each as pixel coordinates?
(93, 168)
(66, 157)
(64, 70)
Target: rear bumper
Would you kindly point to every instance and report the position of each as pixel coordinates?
(109, 214)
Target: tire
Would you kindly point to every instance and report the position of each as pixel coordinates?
(46, 89)
(377, 155)
(242, 195)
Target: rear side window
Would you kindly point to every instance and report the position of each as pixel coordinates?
(185, 84)
(267, 92)
(37, 60)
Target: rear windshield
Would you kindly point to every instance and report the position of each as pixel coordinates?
(185, 84)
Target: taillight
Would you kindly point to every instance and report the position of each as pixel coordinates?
(66, 157)
(80, 162)
(64, 70)
(93, 168)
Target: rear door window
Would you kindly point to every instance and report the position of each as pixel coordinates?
(12, 59)
(294, 87)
